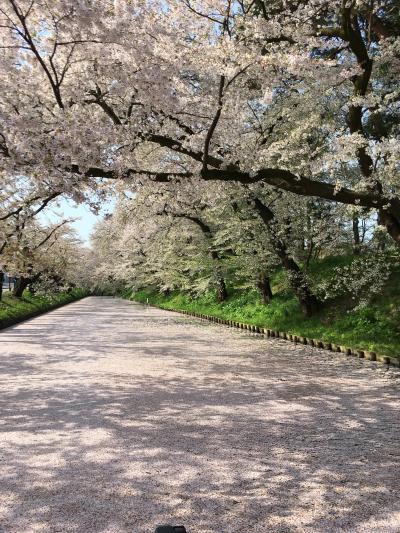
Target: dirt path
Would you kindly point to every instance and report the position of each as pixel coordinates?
(114, 418)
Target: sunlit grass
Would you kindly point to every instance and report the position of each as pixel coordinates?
(13, 309)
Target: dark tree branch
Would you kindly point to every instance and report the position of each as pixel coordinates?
(50, 234)
(28, 203)
(27, 37)
(215, 121)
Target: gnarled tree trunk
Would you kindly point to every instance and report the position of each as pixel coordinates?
(391, 223)
(20, 285)
(309, 303)
(264, 286)
(222, 293)
(1, 284)
(356, 236)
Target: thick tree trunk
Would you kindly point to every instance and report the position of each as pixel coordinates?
(309, 303)
(390, 217)
(356, 236)
(264, 287)
(391, 223)
(20, 285)
(222, 293)
(309, 253)
(1, 284)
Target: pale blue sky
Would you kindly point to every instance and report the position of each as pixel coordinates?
(86, 219)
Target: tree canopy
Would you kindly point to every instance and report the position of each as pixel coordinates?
(297, 101)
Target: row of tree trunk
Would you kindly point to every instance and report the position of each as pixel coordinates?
(308, 301)
(20, 284)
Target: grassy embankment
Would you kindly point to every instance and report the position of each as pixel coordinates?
(14, 310)
(375, 327)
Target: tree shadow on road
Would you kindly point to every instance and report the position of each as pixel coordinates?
(200, 432)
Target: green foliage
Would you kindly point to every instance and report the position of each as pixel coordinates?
(361, 279)
(374, 326)
(13, 310)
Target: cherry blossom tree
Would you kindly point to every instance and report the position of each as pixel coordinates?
(292, 101)
(38, 252)
(199, 236)
(301, 96)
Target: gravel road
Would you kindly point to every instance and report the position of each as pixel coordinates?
(115, 418)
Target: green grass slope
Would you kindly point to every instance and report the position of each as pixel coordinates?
(14, 310)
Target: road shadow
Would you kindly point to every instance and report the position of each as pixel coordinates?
(210, 428)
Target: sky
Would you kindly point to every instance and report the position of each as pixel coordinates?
(85, 218)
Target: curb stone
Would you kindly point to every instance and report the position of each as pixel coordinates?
(328, 346)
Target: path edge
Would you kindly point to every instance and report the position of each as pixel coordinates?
(296, 339)
(34, 314)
